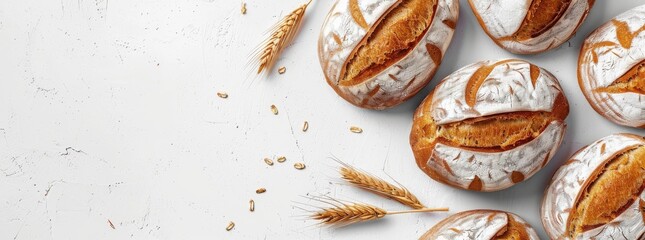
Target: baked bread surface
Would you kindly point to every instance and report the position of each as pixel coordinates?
(599, 192)
(378, 53)
(489, 125)
(481, 224)
(530, 26)
(611, 69)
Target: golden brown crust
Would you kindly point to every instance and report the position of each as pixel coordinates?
(400, 52)
(356, 14)
(476, 184)
(544, 195)
(515, 128)
(592, 74)
(513, 231)
(435, 53)
(483, 25)
(487, 134)
(517, 176)
(476, 80)
(624, 35)
(398, 32)
(584, 49)
(541, 16)
(494, 135)
(497, 132)
(632, 81)
(610, 190)
(536, 23)
(421, 147)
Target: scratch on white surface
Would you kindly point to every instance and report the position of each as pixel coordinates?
(62, 7)
(4, 135)
(51, 185)
(223, 33)
(293, 136)
(217, 122)
(387, 153)
(17, 168)
(68, 149)
(22, 224)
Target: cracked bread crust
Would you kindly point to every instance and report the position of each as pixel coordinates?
(611, 189)
(489, 125)
(397, 33)
(599, 192)
(378, 53)
(611, 69)
(481, 224)
(532, 26)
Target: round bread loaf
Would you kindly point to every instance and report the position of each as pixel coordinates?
(490, 125)
(378, 53)
(481, 225)
(598, 193)
(530, 26)
(611, 69)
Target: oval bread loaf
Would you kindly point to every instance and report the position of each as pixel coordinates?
(489, 125)
(598, 193)
(530, 26)
(378, 53)
(481, 225)
(611, 69)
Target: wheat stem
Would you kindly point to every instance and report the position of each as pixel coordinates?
(419, 210)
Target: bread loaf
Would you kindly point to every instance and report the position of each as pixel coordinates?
(489, 125)
(611, 69)
(598, 193)
(378, 53)
(481, 225)
(530, 26)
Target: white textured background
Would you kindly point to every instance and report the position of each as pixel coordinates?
(108, 111)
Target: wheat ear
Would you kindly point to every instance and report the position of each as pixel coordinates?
(282, 33)
(379, 186)
(345, 214)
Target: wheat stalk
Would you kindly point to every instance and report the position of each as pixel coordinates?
(345, 214)
(283, 32)
(379, 186)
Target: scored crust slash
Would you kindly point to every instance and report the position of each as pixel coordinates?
(533, 26)
(605, 199)
(489, 125)
(378, 55)
(481, 224)
(611, 69)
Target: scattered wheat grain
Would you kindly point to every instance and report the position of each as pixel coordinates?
(274, 110)
(268, 161)
(230, 226)
(299, 166)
